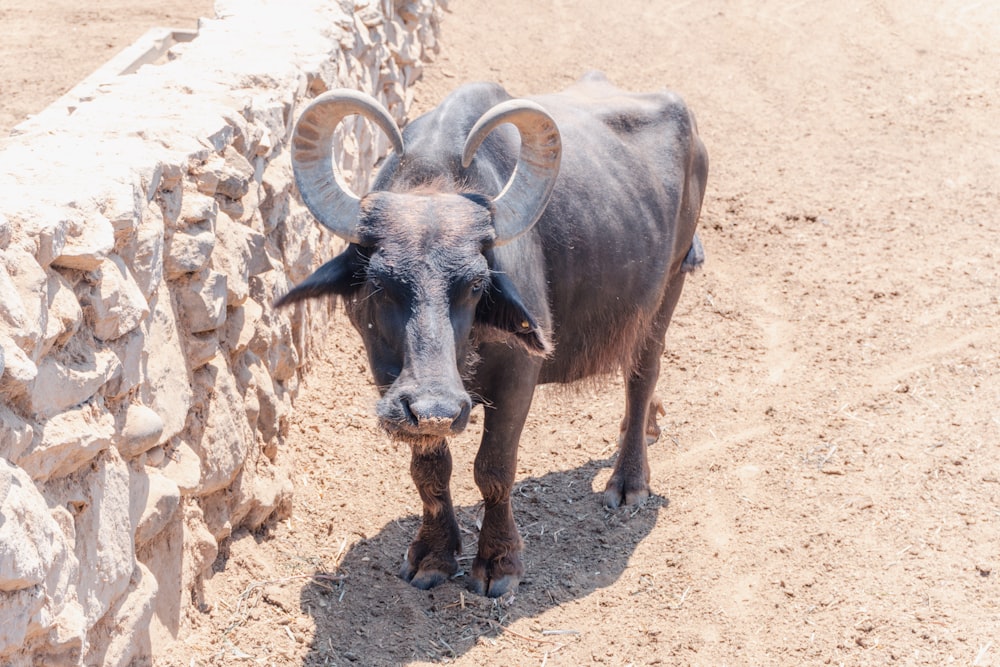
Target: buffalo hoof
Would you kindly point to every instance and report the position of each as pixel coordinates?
(497, 577)
(620, 492)
(429, 573)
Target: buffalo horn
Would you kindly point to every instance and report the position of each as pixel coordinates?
(522, 200)
(320, 181)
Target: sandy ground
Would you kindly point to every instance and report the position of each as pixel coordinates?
(828, 479)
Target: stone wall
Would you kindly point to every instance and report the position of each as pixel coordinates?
(146, 379)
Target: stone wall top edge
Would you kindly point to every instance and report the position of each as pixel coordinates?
(260, 47)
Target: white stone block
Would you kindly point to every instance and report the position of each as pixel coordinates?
(64, 313)
(167, 389)
(145, 255)
(68, 441)
(228, 175)
(225, 438)
(99, 500)
(232, 258)
(189, 249)
(69, 379)
(120, 638)
(117, 304)
(183, 468)
(16, 434)
(30, 540)
(202, 301)
(197, 207)
(131, 350)
(142, 430)
(83, 242)
(156, 505)
(42, 619)
(28, 307)
(201, 348)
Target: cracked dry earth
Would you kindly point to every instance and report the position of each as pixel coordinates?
(827, 483)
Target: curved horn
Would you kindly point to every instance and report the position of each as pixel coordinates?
(522, 200)
(320, 181)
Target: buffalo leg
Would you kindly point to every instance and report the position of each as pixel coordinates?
(629, 483)
(431, 557)
(497, 568)
(652, 427)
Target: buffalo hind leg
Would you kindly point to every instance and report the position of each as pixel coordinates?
(431, 557)
(497, 568)
(656, 409)
(629, 483)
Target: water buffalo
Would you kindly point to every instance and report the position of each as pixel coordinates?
(507, 243)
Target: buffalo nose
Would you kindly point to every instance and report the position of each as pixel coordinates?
(437, 414)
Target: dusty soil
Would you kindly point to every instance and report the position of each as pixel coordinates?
(828, 480)
(48, 46)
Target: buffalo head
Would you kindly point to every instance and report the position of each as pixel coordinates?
(418, 277)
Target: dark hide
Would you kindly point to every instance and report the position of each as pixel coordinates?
(448, 319)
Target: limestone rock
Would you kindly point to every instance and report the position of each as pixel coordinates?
(30, 540)
(83, 243)
(19, 370)
(22, 611)
(228, 175)
(120, 201)
(273, 411)
(144, 254)
(258, 261)
(16, 434)
(28, 305)
(196, 207)
(225, 437)
(67, 380)
(4, 231)
(183, 468)
(278, 182)
(119, 639)
(34, 548)
(282, 358)
(241, 326)
(132, 354)
(203, 301)
(158, 503)
(142, 430)
(167, 390)
(232, 258)
(67, 441)
(117, 304)
(189, 250)
(117, 410)
(64, 314)
(13, 316)
(99, 501)
(201, 348)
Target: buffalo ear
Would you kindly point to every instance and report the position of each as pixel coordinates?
(501, 308)
(338, 277)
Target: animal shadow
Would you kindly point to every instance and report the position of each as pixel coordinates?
(573, 547)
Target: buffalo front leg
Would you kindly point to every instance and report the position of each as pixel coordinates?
(497, 568)
(629, 483)
(431, 557)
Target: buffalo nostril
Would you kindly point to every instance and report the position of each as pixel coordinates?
(408, 413)
(460, 422)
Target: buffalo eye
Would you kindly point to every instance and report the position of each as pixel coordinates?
(477, 286)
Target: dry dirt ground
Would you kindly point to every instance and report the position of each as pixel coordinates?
(828, 481)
